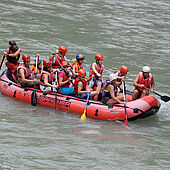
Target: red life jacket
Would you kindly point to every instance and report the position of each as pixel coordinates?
(49, 77)
(98, 69)
(66, 76)
(55, 63)
(76, 85)
(146, 82)
(13, 59)
(27, 72)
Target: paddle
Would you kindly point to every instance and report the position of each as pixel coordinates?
(83, 116)
(2, 60)
(34, 94)
(164, 98)
(124, 93)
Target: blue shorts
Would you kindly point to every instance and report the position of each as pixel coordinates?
(67, 91)
(96, 80)
(83, 96)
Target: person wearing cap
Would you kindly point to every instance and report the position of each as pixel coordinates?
(121, 75)
(77, 64)
(64, 80)
(96, 69)
(143, 79)
(12, 55)
(24, 73)
(46, 77)
(80, 86)
(110, 93)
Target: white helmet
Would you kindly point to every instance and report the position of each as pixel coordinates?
(146, 69)
(112, 77)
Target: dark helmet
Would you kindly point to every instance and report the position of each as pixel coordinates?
(12, 42)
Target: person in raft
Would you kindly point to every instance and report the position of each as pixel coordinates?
(59, 56)
(64, 80)
(77, 64)
(39, 66)
(121, 75)
(110, 93)
(80, 86)
(96, 69)
(24, 73)
(46, 77)
(12, 55)
(143, 79)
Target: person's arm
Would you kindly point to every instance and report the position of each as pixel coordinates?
(16, 53)
(111, 89)
(135, 83)
(51, 57)
(62, 83)
(23, 79)
(152, 85)
(74, 70)
(80, 86)
(94, 70)
(45, 78)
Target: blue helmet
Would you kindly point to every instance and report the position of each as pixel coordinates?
(80, 57)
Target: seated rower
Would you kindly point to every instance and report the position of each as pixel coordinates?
(46, 77)
(121, 75)
(64, 80)
(110, 94)
(78, 64)
(143, 79)
(24, 73)
(96, 69)
(80, 86)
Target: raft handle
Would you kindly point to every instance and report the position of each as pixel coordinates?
(9, 84)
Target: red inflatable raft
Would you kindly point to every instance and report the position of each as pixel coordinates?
(139, 108)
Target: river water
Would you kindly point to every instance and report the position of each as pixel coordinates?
(134, 33)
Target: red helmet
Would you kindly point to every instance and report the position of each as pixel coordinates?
(26, 57)
(47, 63)
(63, 49)
(124, 69)
(64, 63)
(98, 57)
(82, 73)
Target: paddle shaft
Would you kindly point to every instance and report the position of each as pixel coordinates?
(2, 60)
(125, 102)
(34, 98)
(88, 94)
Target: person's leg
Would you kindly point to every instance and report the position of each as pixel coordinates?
(99, 85)
(144, 93)
(136, 94)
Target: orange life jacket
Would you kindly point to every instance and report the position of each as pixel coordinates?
(77, 66)
(146, 82)
(34, 69)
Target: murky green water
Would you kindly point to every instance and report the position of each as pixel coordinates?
(134, 33)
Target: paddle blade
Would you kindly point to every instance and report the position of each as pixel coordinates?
(83, 116)
(165, 98)
(34, 98)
